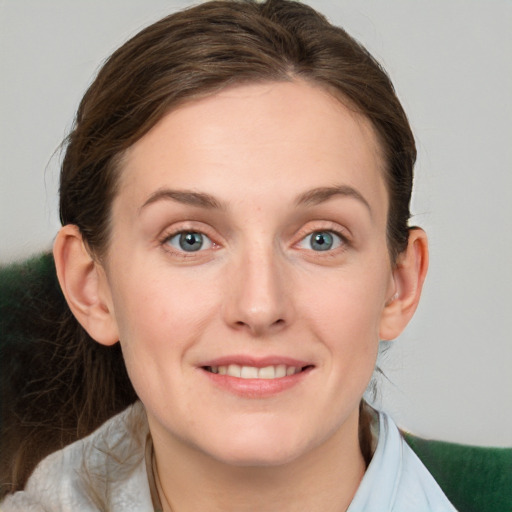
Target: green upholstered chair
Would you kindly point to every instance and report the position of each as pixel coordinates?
(475, 479)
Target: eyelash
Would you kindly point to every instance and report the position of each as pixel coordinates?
(168, 236)
(341, 244)
(337, 240)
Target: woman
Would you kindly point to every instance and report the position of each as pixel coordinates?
(234, 200)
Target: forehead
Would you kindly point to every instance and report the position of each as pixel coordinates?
(292, 135)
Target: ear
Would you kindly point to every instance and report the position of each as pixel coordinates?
(408, 277)
(85, 286)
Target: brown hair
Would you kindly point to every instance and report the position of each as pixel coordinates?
(194, 53)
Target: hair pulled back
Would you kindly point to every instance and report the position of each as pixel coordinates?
(202, 50)
(187, 55)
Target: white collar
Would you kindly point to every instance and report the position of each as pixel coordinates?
(396, 480)
(77, 477)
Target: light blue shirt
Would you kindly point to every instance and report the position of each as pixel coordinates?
(77, 477)
(396, 480)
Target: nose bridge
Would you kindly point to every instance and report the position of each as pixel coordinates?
(259, 298)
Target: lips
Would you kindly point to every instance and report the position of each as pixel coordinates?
(256, 378)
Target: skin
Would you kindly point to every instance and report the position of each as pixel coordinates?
(264, 155)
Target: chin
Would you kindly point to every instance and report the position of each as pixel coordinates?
(268, 456)
(257, 448)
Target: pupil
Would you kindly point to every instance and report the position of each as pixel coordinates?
(191, 241)
(322, 241)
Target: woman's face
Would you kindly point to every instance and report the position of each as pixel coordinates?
(248, 271)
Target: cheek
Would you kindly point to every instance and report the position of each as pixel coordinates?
(158, 321)
(349, 304)
(345, 311)
(158, 302)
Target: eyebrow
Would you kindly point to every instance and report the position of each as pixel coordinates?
(203, 200)
(321, 194)
(189, 197)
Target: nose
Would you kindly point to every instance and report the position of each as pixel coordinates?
(258, 299)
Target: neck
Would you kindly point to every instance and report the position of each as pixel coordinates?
(324, 479)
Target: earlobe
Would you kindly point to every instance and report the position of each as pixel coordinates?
(84, 285)
(408, 276)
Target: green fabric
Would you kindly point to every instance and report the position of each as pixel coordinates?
(26, 289)
(474, 478)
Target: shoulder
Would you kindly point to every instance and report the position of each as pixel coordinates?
(396, 480)
(104, 471)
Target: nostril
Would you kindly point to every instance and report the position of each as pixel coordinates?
(260, 327)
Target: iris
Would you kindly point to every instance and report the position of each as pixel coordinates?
(188, 241)
(321, 241)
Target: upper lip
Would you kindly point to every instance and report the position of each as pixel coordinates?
(257, 362)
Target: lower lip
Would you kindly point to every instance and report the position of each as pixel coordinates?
(256, 388)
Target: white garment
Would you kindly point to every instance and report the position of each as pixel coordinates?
(396, 480)
(77, 477)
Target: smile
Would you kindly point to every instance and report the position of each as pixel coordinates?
(253, 372)
(253, 378)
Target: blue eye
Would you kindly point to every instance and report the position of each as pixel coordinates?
(189, 241)
(321, 241)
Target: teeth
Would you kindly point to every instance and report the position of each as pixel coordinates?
(234, 370)
(251, 372)
(268, 372)
(280, 371)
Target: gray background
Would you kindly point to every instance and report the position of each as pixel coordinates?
(449, 376)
